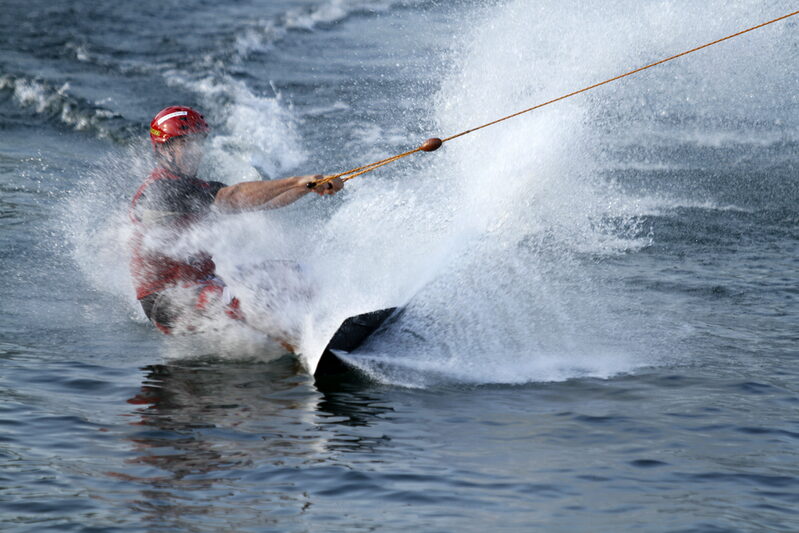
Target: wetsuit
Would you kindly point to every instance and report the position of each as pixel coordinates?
(165, 206)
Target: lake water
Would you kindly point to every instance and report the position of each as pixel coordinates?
(601, 326)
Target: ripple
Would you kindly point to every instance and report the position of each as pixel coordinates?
(647, 463)
(750, 479)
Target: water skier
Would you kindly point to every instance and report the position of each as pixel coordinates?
(175, 287)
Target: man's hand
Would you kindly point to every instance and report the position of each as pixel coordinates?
(325, 189)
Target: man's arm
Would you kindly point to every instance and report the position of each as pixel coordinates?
(252, 195)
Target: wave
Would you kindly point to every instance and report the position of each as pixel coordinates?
(262, 36)
(57, 105)
(257, 135)
(659, 205)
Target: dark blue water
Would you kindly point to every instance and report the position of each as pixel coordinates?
(601, 326)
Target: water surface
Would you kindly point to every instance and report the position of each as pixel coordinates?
(601, 298)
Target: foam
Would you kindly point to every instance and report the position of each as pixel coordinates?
(266, 32)
(257, 134)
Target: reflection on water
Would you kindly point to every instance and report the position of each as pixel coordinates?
(233, 434)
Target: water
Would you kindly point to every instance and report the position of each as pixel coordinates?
(600, 331)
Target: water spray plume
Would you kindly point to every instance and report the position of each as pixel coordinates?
(434, 143)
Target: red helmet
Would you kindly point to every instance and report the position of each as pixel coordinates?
(176, 121)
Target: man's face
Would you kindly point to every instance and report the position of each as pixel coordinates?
(187, 153)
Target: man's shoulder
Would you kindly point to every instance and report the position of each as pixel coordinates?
(165, 191)
(209, 186)
(162, 181)
(201, 187)
(159, 178)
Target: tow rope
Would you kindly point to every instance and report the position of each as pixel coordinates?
(434, 143)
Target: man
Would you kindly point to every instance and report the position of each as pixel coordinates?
(175, 287)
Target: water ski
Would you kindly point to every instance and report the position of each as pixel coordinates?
(349, 336)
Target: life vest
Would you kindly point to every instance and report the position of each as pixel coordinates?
(154, 270)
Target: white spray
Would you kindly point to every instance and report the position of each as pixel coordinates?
(492, 243)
